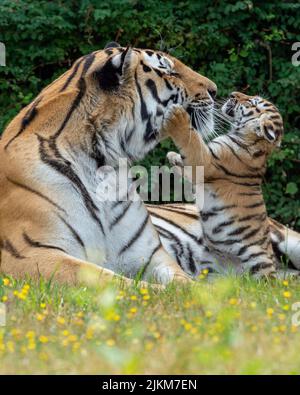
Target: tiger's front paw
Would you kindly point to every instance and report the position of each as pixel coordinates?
(177, 120)
(175, 159)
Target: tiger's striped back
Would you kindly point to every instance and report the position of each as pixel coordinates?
(109, 106)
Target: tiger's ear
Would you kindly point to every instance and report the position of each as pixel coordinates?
(116, 70)
(112, 44)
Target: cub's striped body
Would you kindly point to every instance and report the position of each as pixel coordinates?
(181, 233)
(109, 105)
(234, 219)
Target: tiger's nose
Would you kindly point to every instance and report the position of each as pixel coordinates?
(213, 92)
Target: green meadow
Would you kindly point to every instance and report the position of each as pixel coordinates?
(225, 326)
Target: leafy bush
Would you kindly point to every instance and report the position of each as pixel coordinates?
(238, 44)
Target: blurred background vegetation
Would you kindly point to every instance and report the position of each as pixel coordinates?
(241, 45)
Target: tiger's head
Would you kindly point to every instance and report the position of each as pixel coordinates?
(111, 104)
(133, 89)
(253, 114)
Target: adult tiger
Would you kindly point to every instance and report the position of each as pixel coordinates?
(109, 105)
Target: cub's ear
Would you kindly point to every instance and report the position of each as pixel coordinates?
(112, 44)
(116, 70)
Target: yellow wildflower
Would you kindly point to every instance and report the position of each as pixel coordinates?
(43, 339)
(187, 326)
(287, 294)
(110, 342)
(31, 345)
(16, 333)
(30, 334)
(76, 346)
(6, 282)
(282, 328)
(72, 338)
(149, 346)
(22, 296)
(294, 328)
(270, 311)
(10, 346)
(89, 333)
(60, 320)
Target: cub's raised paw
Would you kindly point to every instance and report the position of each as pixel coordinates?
(177, 120)
(174, 159)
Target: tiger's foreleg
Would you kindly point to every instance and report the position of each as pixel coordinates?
(60, 267)
(163, 269)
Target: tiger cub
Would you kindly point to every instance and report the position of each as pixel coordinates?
(233, 216)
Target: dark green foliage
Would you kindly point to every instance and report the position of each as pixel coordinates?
(239, 44)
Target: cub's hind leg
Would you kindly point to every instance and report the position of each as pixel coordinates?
(285, 241)
(260, 265)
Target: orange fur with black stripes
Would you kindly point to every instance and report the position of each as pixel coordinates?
(233, 217)
(109, 105)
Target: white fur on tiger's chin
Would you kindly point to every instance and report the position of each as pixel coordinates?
(207, 126)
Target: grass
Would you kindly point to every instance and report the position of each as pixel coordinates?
(228, 326)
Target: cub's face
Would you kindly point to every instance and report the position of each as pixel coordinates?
(254, 114)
